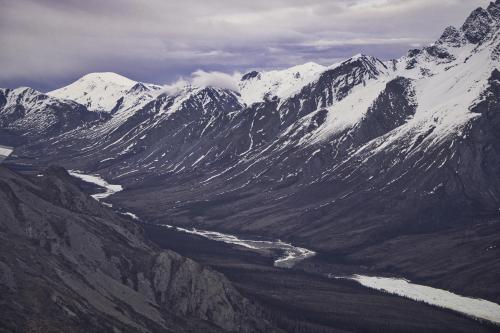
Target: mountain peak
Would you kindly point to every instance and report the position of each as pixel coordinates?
(363, 58)
(249, 75)
(494, 9)
(358, 56)
(140, 87)
(451, 36)
(309, 65)
(97, 91)
(24, 90)
(481, 22)
(108, 77)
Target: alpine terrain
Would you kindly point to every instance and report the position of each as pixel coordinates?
(382, 168)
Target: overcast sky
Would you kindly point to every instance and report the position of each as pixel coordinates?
(49, 43)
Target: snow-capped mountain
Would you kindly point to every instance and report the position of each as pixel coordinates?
(107, 92)
(364, 153)
(29, 113)
(258, 86)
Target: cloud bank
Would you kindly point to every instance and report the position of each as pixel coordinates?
(216, 79)
(48, 43)
(203, 79)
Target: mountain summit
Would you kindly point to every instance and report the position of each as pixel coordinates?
(102, 91)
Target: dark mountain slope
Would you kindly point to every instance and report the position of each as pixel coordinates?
(31, 115)
(69, 263)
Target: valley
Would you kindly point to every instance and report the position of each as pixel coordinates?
(318, 303)
(288, 256)
(283, 266)
(357, 196)
(246, 258)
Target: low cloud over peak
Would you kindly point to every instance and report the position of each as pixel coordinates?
(203, 79)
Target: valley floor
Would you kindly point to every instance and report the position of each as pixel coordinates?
(308, 301)
(304, 299)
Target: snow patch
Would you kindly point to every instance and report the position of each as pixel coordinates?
(348, 111)
(280, 83)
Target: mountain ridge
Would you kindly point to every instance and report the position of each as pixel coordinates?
(75, 265)
(345, 159)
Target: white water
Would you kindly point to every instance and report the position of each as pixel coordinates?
(473, 307)
(129, 214)
(4, 152)
(95, 179)
(292, 254)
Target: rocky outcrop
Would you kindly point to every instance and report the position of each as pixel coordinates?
(481, 23)
(69, 263)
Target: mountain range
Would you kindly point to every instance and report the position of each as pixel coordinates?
(393, 165)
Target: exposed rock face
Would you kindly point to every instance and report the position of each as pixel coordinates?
(392, 108)
(481, 23)
(181, 284)
(69, 263)
(452, 36)
(249, 75)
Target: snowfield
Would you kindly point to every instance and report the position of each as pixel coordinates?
(280, 83)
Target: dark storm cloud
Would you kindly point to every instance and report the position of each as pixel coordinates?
(46, 43)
